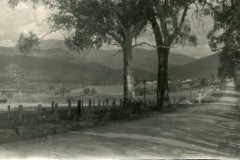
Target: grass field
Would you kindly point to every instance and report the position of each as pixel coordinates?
(30, 127)
(103, 93)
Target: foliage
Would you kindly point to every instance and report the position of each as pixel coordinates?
(118, 114)
(87, 29)
(94, 23)
(137, 107)
(93, 91)
(27, 41)
(174, 86)
(204, 82)
(182, 98)
(171, 27)
(174, 22)
(225, 35)
(150, 90)
(88, 91)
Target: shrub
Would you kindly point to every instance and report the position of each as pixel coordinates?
(3, 100)
(182, 98)
(150, 90)
(93, 91)
(86, 90)
(119, 113)
(137, 107)
(174, 85)
(204, 82)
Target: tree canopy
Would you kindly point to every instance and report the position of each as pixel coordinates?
(225, 35)
(93, 23)
(171, 26)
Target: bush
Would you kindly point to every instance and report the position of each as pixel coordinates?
(102, 111)
(204, 82)
(139, 91)
(119, 113)
(182, 98)
(3, 100)
(93, 91)
(150, 90)
(86, 90)
(174, 86)
(137, 107)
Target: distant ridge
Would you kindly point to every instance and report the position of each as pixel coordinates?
(53, 61)
(196, 69)
(143, 59)
(37, 68)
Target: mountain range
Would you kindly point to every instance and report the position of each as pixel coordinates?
(53, 61)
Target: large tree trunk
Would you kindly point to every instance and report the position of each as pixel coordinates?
(162, 88)
(128, 80)
(163, 52)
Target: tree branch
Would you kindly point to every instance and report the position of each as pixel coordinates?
(116, 38)
(180, 26)
(153, 46)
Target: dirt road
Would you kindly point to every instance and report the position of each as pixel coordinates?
(202, 131)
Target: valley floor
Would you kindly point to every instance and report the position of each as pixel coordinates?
(203, 131)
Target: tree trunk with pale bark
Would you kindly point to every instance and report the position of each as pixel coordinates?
(128, 80)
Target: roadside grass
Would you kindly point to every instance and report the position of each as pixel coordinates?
(11, 129)
(31, 127)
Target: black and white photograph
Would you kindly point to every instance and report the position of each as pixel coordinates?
(119, 79)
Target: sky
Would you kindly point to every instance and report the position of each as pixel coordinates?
(24, 18)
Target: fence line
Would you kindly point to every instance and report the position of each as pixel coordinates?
(92, 103)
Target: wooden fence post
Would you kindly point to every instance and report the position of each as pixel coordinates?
(149, 102)
(52, 106)
(103, 103)
(69, 108)
(79, 104)
(99, 103)
(56, 112)
(107, 102)
(9, 112)
(20, 113)
(177, 100)
(40, 112)
(114, 103)
(90, 104)
(121, 103)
